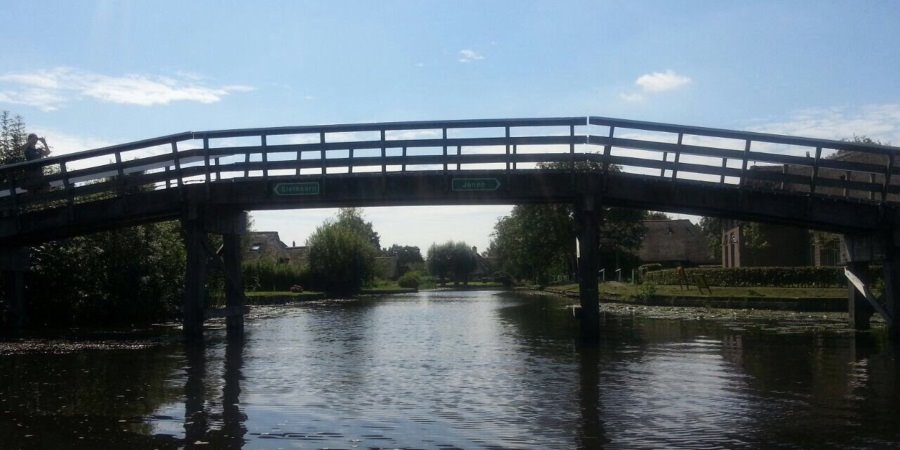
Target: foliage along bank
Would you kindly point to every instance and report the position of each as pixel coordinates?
(817, 277)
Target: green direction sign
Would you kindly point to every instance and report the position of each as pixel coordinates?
(305, 188)
(475, 184)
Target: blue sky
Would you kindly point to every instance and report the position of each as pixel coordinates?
(95, 73)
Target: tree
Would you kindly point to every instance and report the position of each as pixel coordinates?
(406, 256)
(657, 215)
(536, 242)
(353, 219)
(341, 254)
(712, 229)
(126, 276)
(452, 260)
(12, 138)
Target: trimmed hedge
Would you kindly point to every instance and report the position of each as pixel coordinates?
(759, 276)
(269, 276)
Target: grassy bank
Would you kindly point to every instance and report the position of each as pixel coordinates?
(812, 299)
(277, 297)
(624, 290)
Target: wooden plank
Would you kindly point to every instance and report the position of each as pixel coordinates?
(743, 135)
(395, 126)
(660, 147)
(864, 290)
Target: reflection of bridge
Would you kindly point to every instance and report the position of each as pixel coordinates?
(208, 179)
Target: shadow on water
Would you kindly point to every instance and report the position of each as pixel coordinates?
(676, 383)
(206, 422)
(52, 396)
(591, 433)
(90, 396)
(460, 371)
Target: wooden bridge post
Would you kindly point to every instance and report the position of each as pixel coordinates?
(892, 288)
(234, 286)
(231, 225)
(858, 252)
(587, 217)
(858, 307)
(195, 278)
(14, 264)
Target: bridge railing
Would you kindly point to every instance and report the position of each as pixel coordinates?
(748, 159)
(732, 159)
(229, 155)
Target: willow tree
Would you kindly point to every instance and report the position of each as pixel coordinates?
(342, 254)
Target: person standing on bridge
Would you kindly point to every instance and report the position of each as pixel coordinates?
(33, 153)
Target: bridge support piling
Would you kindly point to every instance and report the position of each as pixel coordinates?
(231, 225)
(858, 306)
(858, 252)
(892, 290)
(14, 264)
(195, 278)
(234, 286)
(587, 216)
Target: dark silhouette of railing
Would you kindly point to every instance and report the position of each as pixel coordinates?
(682, 154)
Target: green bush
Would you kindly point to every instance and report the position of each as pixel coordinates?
(341, 260)
(130, 275)
(410, 280)
(269, 276)
(820, 277)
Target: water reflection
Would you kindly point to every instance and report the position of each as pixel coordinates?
(591, 433)
(206, 422)
(688, 383)
(83, 395)
(461, 370)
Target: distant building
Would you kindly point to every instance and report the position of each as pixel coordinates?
(764, 245)
(484, 266)
(267, 246)
(789, 246)
(673, 243)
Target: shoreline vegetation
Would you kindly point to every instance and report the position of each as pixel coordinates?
(281, 297)
(776, 298)
(617, 295)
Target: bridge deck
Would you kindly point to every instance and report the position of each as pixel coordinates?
(809, 182)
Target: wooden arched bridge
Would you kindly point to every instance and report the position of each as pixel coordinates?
(209, 179)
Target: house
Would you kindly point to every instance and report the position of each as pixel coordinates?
(674, 242)
(267, 246)
(756, 244)
(747, 244)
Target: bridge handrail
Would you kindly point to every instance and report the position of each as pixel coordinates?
(770, 138)
(209, 154)
(393, 126)
(102, 151)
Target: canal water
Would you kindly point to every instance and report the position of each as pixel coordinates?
(471, 370)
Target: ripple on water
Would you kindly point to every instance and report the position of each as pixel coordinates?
(467, 370)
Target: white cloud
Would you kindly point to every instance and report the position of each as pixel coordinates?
(662, 81)
(655, 83)
(46, 100)
(880, 122)
(468, 55)
(631, 97)
(51, 89)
